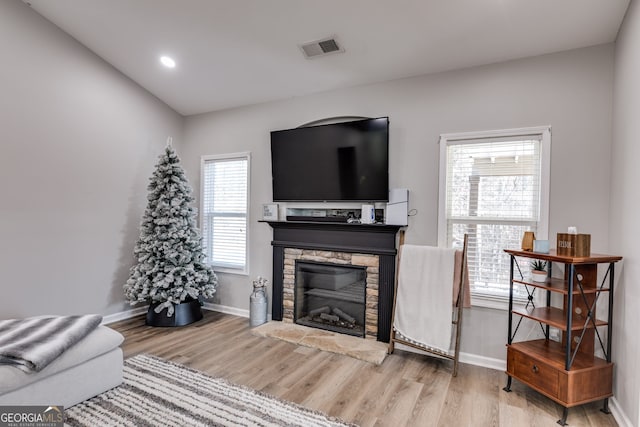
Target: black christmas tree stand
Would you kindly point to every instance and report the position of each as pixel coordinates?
(185, 313)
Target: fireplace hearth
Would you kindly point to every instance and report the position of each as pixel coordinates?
(330, 296)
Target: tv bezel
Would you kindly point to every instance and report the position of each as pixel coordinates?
(366, 119)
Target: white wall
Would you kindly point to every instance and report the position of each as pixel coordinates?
(624, 220)
(79, 141)
(570, 91)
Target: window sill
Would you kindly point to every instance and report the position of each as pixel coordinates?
(236, 271)
(495, 302)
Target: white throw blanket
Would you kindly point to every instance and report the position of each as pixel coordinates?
(425, 285)
(31, 344)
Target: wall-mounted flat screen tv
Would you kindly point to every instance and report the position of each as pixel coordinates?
(347, 161)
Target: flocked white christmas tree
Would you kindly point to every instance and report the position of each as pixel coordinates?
(170, 265)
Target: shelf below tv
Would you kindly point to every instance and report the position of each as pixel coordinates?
(307, 218)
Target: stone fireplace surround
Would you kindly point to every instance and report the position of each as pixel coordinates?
(369, 245)
(370, 262)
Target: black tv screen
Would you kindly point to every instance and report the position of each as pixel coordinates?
(346, 161)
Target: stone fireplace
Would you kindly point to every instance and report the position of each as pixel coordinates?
(342, 294)
(369, 248)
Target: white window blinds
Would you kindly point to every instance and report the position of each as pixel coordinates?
(493, 191)
(225, 188)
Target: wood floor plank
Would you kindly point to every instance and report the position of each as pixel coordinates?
(435, 379)
(408, 389)
(361, 404)
(298, 391)
(348, 400)
(323, 395)
(299, 371)
(401, 404)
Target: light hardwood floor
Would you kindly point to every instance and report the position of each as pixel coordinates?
(406, 390)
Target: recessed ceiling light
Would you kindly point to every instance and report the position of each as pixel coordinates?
(168, 62)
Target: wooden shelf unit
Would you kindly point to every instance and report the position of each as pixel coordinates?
(568, 371)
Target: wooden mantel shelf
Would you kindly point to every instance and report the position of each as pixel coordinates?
(378, 239)
(334, 225)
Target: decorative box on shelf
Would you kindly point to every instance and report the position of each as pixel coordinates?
(574, 245)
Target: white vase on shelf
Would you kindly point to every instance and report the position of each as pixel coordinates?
(538, 275)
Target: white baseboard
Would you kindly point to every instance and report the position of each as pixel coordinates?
(226, 309)
(128, 314)
(485, 362)
(619, 415)
(471, 359)
(123, 315)
(240, 312)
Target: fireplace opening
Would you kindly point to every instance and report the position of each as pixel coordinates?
(330, 296)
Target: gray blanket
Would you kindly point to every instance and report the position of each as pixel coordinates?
(31, 344)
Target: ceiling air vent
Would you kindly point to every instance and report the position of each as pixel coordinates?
(322, 47)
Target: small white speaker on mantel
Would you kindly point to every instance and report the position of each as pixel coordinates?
(397, 211)
(368, 214)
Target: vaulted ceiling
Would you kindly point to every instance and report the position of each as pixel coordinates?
(231, 53)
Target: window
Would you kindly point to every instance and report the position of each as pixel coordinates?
(225, 199)
(494, 186)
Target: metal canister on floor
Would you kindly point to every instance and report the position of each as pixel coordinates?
(258, 302)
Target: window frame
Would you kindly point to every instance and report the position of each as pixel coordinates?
(544, 133)
(243, 155)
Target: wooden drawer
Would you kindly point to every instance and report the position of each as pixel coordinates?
(533, 372)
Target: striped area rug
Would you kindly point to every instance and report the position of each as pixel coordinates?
(156, 392)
